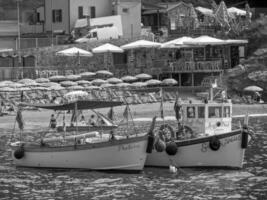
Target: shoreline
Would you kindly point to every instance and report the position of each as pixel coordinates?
(140, 112)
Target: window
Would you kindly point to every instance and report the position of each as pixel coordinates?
(92, 11)
(173, 24)
(57, 16)
(190, 112)
(215, 112)
(80, 12)
(226, 111)
(201, 112)
(94, 34)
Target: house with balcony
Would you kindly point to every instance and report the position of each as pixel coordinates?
(62, 15)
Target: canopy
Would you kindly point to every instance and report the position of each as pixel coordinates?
(74, 51)
(81, 105)
(141, 44)
(107, 48)
(205, 40)
(176, 43)
(253, 88)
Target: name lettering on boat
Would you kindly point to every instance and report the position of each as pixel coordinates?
(127, 147)
(224, 142)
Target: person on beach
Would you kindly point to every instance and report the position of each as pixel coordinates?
(21, 96)
(53, 122)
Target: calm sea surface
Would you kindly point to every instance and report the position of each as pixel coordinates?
(152, 183)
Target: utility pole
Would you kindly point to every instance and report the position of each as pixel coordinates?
(52, 23)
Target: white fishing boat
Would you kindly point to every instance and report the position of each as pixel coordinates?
(83, 150)
(205, 136)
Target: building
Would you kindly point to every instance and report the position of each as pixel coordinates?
(61, 15)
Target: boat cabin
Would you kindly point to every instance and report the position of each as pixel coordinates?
(208, 118)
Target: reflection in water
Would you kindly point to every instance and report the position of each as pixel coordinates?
(152, 183)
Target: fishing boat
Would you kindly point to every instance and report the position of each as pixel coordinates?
(203, 137)
(82, 150)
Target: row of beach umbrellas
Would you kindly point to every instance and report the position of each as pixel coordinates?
(28, 84)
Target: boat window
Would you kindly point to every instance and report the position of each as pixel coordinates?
(201, 112)
(190, 112)
(215, 112)
(226, 112)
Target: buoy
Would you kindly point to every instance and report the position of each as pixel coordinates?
(172, 169)
(244, 140)
(160, 145)
(171, 148)
(19, 153)
(150, 144)
(215, 144)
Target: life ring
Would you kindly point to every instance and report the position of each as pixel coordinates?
(184, 131)
(166, 133)
(214, 144)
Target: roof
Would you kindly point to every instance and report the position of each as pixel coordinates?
(81, 105)
(114, 20)
(149, 6)
(172, 6)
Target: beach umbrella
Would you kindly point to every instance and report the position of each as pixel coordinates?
(6, 83)
(7, 89)
(58, 87)
(75, 96)
(169, 81)
(153, 82)
(74, 51)
(16, 85)
(23, 89)
(104, 73)
(86, 75)
(73, 77)
(253, 88)
(128, 78)
(176, 43)
(106, 85)
(143, 76)
(57, 78)
(26, 80)
(141, 44)
(75, 87)
(42, 80)
(107, 48)
(41, 88)
(68, 83)
(139, 84)
(123, 85)
(92, 87)
(83, 82)
(50, 84)
(98, 82)
(205, 40)
(114, 80)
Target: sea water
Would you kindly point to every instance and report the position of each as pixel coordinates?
(153, 183)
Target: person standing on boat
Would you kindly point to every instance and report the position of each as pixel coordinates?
(53, 122)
